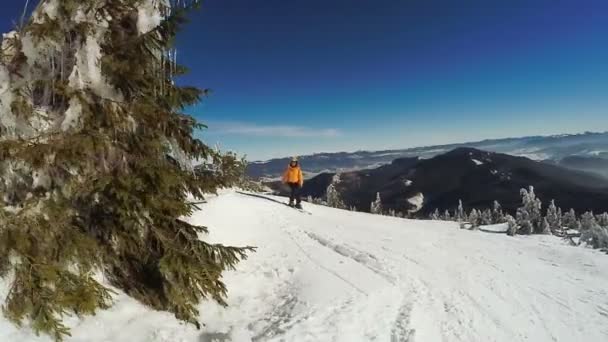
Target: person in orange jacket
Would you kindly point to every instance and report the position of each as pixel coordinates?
(293, 177)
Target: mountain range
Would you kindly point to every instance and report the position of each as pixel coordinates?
(476, 177)
(552, 149)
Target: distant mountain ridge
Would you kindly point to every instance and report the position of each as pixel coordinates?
(476, 177)
(555, 148)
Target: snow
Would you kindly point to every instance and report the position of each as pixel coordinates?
(495, 228)
(337, 275)
(407, 182)
(477, 162)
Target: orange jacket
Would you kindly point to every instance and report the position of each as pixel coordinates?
(293, 175)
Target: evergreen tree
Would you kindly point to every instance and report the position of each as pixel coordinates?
(497, 214)
(447, 216)
(376, 206)
(512, 225)
(309, 199)
(554, 218)
(569, 220)
(460, 215)
(602, 220)
(96, 153)
(435, 215)
(588, 220)
(474, 218)
(544, 227)
(529, 215)
(486, 217)
(333, 197)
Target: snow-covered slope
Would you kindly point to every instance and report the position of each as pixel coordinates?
(332, 275)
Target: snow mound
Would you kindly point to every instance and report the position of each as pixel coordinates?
(477, 162)
(337, 275)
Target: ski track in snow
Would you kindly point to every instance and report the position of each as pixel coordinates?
(335, 275)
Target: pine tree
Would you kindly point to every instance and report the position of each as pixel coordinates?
(435, 215)
(588, 220)
(569, 220)
(553, 217)
(486, 218)
(512, 225)
(529, 215)
(497, 213)
(592, 233)
(544, 227)
(446, 216)
(474, 218)
(376, 206)
(96, 153)
(460, 215)
(309, 199)
(333, 197)
(602, 220)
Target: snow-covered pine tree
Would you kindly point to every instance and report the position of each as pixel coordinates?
(544, 227)
(446, 216)
(95, 162)
(588, 220)
(602, 220)
(592, 233)
(474, 218)
(333, 197)
(569, 220)
(511, 224)
(497, 213)
(435, 215)
(376, 206)
(486, 217)
(553, 217)
(460, 214)
(529, 215)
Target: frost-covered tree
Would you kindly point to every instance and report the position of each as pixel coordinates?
(553, 217)
(569, 220)
(446, 216)
(497, 213)
(595, 236)
(96, 165)
(376, 205)
(588, 220)
(544, 227)
(309, 199)
(529, 215)
(474, 218)
(602, 220)
(460, 214)
(435, 215)
(512, 225)
(333, 197)
(486, 217)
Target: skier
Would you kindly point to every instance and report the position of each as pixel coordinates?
(293, 178)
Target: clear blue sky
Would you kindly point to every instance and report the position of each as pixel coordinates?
(295, 77)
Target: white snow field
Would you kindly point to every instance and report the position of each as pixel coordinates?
(334, 275)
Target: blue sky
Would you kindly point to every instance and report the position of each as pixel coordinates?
(296, 77)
